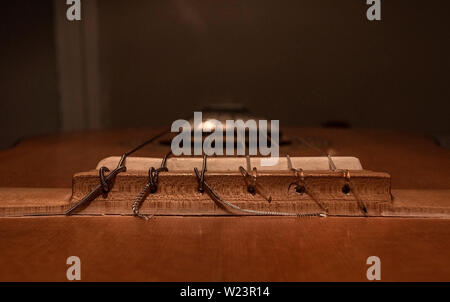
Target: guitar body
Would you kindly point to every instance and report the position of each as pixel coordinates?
(39, 180)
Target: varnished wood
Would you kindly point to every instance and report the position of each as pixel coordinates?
(226, 248)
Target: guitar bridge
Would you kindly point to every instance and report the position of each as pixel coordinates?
(342, 188)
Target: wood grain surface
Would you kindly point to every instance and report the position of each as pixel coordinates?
(224, 248)
(171, 248)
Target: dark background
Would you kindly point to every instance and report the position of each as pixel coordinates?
(304, 62)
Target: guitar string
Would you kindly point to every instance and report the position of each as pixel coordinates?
(107, 182)
(150, 187)
(216, 196)
(361, 204)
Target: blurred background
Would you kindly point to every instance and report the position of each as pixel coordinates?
(143, 63)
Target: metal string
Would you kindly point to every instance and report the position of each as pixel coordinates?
(106, 182)
(203, 184)
(150, 187)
